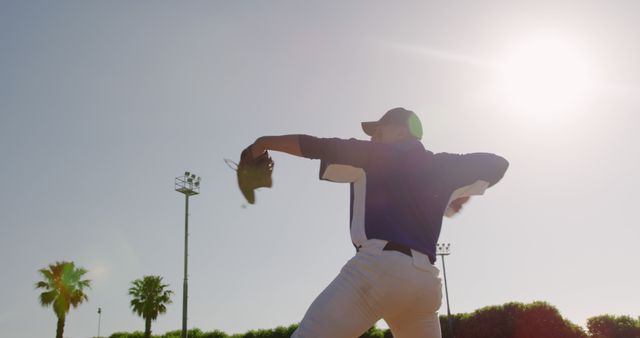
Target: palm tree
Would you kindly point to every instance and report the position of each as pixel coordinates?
(149, 299)
(64, 287)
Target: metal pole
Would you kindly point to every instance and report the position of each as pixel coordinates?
(186, 252)
(446, 291)
(99, 314)
(189, 184)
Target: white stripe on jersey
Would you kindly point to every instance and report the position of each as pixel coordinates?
(348, 174)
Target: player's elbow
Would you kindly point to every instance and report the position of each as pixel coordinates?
(501, 167)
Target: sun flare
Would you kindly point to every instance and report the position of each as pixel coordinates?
(546, 78)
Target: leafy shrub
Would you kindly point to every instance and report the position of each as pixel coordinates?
(194, 333)
(173, 334)
(511, 320)
(607, 326)
(514, 320)
(278, 332)
(214, 334)
(136, 334)
(374, 332)
(119, 335)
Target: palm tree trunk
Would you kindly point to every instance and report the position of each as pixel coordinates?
(147, 328)
(60, 327)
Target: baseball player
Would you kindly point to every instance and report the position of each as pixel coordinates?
(399, 194)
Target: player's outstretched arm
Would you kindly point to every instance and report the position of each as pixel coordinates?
(289, 144)
(334, 150)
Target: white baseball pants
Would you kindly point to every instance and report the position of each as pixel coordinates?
(404, 291)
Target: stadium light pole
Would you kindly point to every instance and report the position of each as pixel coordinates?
(444, 249)
(189, 185)
(99, 314)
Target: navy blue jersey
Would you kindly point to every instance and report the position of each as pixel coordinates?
(401, 191)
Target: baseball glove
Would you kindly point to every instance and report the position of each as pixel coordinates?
(254, 173)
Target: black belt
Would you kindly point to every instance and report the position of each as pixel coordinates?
(398, 247)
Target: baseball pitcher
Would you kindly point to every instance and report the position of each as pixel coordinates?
(400, 193)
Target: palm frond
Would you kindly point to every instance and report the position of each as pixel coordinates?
(48, 297)
(46, 273)
(42, 285)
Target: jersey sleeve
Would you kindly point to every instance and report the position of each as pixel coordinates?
(352, 152)
(462, 170)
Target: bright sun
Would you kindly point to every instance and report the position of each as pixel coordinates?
(546, 78)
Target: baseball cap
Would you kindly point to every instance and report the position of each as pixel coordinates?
(398, 117)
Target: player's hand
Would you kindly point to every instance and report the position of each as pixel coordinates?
(457, 204)
(257, 148)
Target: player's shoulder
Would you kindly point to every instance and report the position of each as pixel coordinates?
(443, 156)
(446, 154)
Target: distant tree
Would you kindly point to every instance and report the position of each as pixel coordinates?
(373, 332)
(607, 326)
(456, 319)
(278, 332)
(196, 333)
(219, 334)
(64, 287)
(119, 335)
(150, 298)
(516, 320)
(135, 334)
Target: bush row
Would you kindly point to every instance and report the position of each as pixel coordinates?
(511, 320)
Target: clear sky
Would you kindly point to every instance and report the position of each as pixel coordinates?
(103, 103)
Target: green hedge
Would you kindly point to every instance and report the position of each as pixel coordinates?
(607, 326)
(278, 332)
(511, 320)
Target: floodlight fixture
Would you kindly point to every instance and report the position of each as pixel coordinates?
(443, 249)
(99, 315)
(184, 184)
